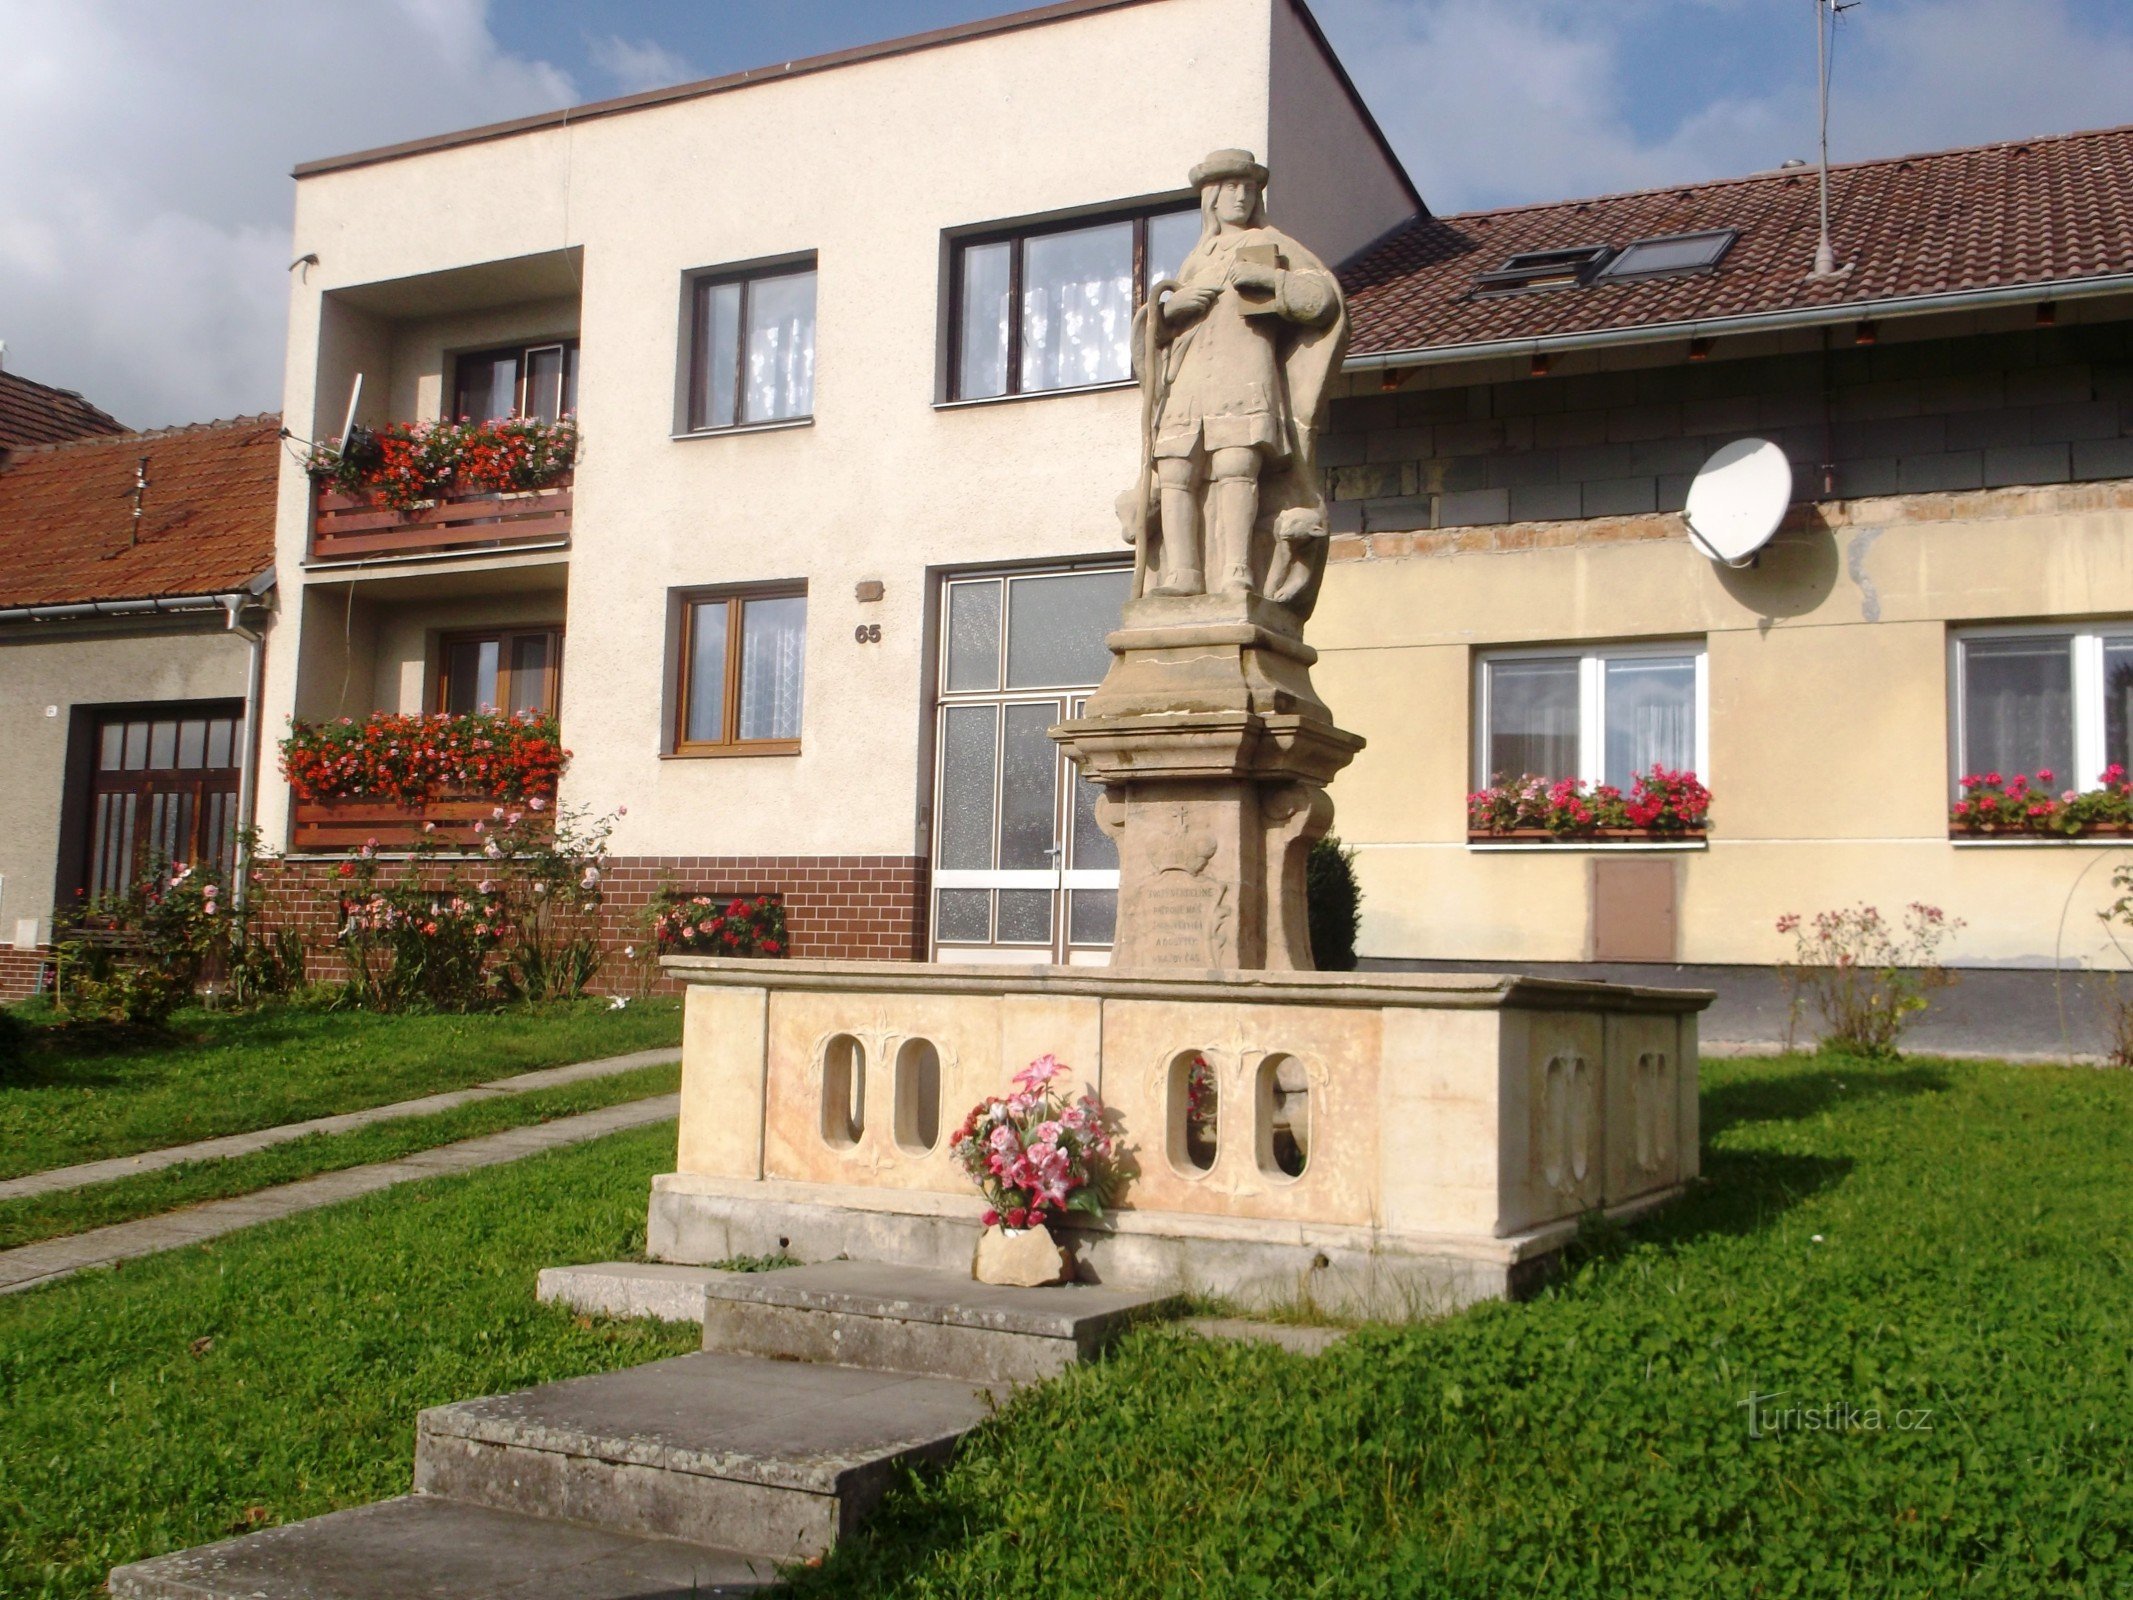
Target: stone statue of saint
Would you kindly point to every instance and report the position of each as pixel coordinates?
(1234, 357)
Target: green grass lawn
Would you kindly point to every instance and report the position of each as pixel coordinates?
(276, 1373)
(1947, 1246)
(82, 1095)
(75, 1210)
(1973, 1276)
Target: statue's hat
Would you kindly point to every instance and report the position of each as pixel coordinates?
(1223, 165)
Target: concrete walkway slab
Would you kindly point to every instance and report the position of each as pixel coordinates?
(443, 1550)
(47, 1262)
(243, 1144)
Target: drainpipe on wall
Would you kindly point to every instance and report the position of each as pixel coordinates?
(248, 764)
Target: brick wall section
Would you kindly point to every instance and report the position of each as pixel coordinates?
(2050, 405)
(850, 908)
(20, 973)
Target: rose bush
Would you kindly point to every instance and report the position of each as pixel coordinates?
(410, 464)
(1867, 976)
(720, 925)
(412, 758)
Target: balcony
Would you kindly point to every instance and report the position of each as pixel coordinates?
(363, 527)
(342, 826)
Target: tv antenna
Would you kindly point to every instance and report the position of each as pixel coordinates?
(1826, 14)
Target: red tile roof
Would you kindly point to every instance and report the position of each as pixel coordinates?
(207, 516)
(2028, 211)
(37, 413)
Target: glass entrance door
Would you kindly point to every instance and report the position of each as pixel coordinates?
(1021, 872)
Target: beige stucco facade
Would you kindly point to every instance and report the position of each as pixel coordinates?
(593, 228)
(1829, 712)
(50, 669)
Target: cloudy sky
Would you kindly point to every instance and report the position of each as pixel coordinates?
(144, 192)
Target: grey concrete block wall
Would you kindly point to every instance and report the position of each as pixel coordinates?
(2050, 405)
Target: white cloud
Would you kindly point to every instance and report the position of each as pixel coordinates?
(634, 65)
(145, 198)
(1514, 100)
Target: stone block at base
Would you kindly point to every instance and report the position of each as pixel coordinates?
(1020, 1258)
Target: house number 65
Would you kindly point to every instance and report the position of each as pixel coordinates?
(867, 633)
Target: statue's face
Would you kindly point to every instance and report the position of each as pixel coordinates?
(1235, 201)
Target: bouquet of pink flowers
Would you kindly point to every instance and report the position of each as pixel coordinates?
(1034, 1156)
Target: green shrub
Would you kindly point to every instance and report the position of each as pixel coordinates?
(1335, 904)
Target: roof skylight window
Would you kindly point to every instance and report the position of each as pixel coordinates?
(1544, 269)
(1670, 253)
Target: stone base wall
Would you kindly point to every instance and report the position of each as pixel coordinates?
(838, 908)
(21, 972)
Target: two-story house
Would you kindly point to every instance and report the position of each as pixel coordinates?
(847, 344)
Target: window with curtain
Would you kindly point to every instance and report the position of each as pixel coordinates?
(1599, 716)
(527, 380)
(2057, 700)
(1047, 308)
(742, 675)
(513, 669)
(752, 348)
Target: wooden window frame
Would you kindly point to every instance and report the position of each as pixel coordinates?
(518, 352)
(441, 674)
(1018, 236)
(696, 399)
(735, 600)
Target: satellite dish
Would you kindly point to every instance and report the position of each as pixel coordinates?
(1738, 500)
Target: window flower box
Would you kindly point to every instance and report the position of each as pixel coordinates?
(418, 488)
(1662, 807)
(1593, 836)
(399, 778)
(2025, 806)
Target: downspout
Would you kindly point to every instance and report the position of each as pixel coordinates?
(248, 762)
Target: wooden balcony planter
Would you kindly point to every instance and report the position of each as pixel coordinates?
(1597, 836)
(357, 527)
(349, 824)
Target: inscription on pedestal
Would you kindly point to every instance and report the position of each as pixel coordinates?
(1182, 916)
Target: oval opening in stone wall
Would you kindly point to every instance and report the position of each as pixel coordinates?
(1284, 1117)
(844, 1091)
(1195, 1113)
(918, 1096)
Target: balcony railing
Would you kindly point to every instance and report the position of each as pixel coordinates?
(341, 825)
(361, 527)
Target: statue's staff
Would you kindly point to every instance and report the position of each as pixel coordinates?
(1153, 384)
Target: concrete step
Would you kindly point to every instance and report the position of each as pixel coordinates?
(906, 1319)
(730, 1451)
(421, 1548)
(629, 1289)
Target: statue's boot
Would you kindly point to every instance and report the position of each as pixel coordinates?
(1233, 505)
(1179, 572)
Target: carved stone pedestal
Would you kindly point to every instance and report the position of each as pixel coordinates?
(1213, 752)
